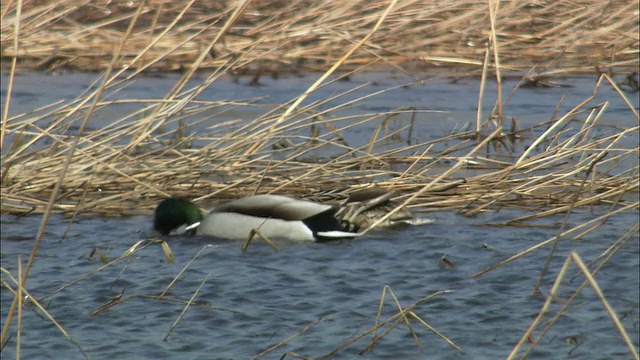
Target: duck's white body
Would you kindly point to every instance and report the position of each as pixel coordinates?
(274, 216)
(236, 226)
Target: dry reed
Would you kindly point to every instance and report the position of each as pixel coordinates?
(107, 175)
(577, 260)
(53, 165)
(556, 37)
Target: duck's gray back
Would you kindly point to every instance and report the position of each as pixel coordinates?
(274, 206)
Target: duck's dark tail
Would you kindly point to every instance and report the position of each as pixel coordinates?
(326, 227)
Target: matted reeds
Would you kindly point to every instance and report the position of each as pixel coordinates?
(126, 167)
(275, 37)
(157, 151)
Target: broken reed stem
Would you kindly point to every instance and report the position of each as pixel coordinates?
(483, 82)
(386, 289)
(575, 258)
(493, 9)
(404, 319)
(119, 299)
(168, 254)
(252, 234)
(133, 249)
(285, 341)
(565, 306)
(184, 310)
(18, 295)
(396, 319)
(545, 267)
(186, 266)
(548, 241)
(12, 73)
(30, 298)
(612, 314)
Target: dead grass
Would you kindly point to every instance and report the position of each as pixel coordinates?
(124, 168)
(284, 37)
(155, 152)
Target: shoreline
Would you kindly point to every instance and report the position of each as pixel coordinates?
(416, 37)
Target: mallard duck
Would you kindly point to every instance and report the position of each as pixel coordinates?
(275, 216)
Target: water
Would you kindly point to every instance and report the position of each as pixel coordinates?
(263, 297)
(251, 302)
(446, 107)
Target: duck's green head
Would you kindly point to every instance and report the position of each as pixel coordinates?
(172, 213)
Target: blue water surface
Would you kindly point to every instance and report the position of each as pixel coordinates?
(251, 302)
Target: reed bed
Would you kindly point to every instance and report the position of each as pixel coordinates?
(276, 37)
(126, 167)
(66, 158)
